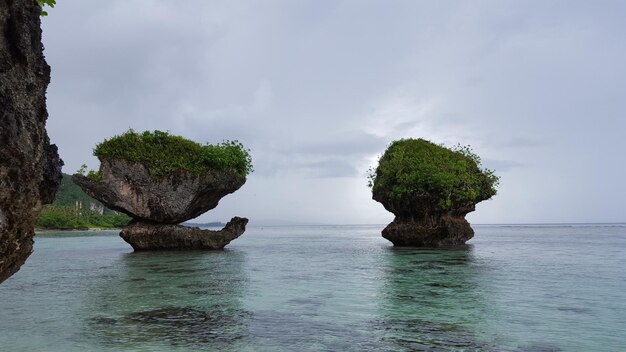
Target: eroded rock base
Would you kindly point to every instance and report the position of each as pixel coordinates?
(448, 231)
(144, 236)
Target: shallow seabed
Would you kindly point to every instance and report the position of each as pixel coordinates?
(324, 288)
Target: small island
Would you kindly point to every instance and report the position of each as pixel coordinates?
(430, 188)
(161, 180)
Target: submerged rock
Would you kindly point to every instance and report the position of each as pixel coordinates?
(149, 236)
(30, 168)
(131, 188)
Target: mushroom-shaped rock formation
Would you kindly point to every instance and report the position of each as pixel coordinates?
(430, 189)
(161, 180)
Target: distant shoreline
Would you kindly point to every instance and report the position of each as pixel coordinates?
(565, 224)
(44, 230)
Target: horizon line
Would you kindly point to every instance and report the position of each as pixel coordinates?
(384, 224)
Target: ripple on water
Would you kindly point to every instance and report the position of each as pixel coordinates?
(324, 289)
(217, 327)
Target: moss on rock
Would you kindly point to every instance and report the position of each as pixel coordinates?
(165, 154)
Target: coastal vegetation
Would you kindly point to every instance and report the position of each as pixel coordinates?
(74, 209)
(419, 169)
(164, 154)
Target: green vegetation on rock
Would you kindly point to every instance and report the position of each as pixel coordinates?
(74, 209)
(165, 154)
(43, 3)
(416, 171)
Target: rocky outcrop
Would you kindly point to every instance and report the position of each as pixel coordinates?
(446, 231)
(149, 236)
(418, 223)
(132, 189)
(30, 168)
(158, 203)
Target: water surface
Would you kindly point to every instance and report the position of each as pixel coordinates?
(323, 288)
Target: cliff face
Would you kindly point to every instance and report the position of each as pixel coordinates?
(132, 189)
(30, 168)
(158, 203)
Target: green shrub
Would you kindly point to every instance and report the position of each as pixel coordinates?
(416, 171)
(164, 154)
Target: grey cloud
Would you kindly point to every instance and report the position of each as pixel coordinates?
(317, 89)
(501, 165)
(329, 168)
(343, 143)
(516, 142)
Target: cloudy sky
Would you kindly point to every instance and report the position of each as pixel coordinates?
(317, 89)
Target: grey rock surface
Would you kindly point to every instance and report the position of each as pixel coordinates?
(30, 168)
(418, 223)
(158, 203)
(445, 231)
(131, 188)
(144, 236)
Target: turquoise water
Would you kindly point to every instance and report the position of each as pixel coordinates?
(324, 288)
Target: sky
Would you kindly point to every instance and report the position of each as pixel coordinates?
(318, 89)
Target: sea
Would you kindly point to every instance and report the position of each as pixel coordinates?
(324, 288)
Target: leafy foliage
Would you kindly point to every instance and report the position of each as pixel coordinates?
(42, 3)
(90, 174)
(165, 154)
(416, 169)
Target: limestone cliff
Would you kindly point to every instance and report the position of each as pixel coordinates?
(30, 168)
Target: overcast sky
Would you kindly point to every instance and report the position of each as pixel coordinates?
(317, 90)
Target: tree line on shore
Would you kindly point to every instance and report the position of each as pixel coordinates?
(74, 209)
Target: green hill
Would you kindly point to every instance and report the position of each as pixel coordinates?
(69, 193)
(74, 209)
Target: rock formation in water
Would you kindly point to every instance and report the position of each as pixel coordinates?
(30, 168)
(131, 188)
(150, 236)
(159, 201)
(429, 228)
(430, 189)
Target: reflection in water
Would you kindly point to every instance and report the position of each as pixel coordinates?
(321, 289)
(431, 300)
(180, 299)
